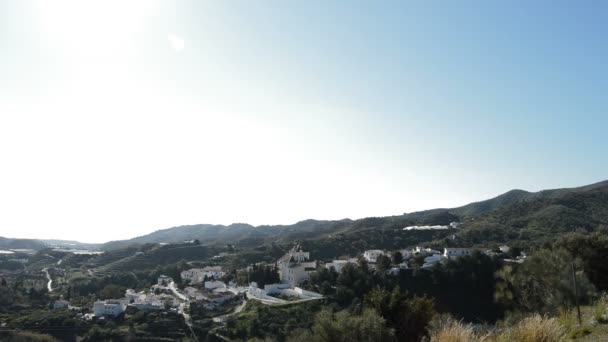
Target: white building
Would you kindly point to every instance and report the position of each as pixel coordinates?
(163, 280)
(198, 275)
(216, 284)
(425, 251)
(505, 249)
(111, 307)
(372, 255)
(458, 252)
(295, 267)
(214, 272)
(432, 260)
(149, 305)
(426, 228)
(337, 265)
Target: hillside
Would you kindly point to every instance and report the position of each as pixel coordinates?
(541, 216)
(6, 243)
(515, 215)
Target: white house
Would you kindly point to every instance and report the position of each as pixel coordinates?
(197, 275)
(337, 265)
(194, 275)
(455, 225)
(214, 272)
(372, 255)
(295, 267)
(149, 305)
(505, 249)
(133, 297)
(432, 260)
(458, 252)
(216, 284)
(163, 280)
(111, 307)
(425, 251)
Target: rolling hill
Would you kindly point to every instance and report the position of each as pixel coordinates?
(516, 215)
(6, 243)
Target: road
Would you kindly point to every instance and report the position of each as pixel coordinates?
(267, 302)
(175, 292)
(49, 285)
(222, 319)
(183, 306)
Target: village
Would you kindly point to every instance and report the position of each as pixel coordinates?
(204, 287)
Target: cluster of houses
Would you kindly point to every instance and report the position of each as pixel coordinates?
(157, 299)
(206, 289)
(431, 257)
(200, 275)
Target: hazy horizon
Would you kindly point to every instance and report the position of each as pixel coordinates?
(118, 118)
(284, 223)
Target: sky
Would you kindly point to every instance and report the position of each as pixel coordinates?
(118, 118)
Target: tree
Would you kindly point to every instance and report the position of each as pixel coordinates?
(543, 283)
(383, 264)
(397, 258)
(112, 291)
(409, 317)
(592, 249)
(168, 304)
(345, 326)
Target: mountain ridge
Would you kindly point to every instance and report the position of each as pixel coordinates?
(572, 205)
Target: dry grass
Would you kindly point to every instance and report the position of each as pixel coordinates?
(453, 331)
(535, 328)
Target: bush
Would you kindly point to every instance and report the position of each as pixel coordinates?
(579, 332)
(599, 310)
(567, 319)
(25, 336)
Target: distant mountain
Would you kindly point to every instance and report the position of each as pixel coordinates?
(70, 244)
(517, 214)
(6, 243)
(206, 233)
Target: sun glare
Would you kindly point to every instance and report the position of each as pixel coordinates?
(92, 28)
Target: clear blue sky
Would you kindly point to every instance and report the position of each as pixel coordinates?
(125, 117)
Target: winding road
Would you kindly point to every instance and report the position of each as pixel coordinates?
(182, 307)
(49, 285)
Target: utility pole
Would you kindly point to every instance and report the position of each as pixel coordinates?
(578, 307)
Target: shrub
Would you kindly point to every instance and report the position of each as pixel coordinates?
(599, 310)
(579, 332)
(567, 319)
